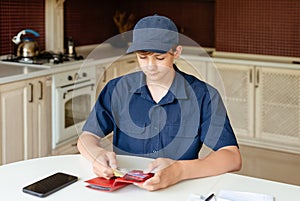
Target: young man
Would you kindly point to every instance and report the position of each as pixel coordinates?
(161, 113)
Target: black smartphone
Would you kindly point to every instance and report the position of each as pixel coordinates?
(50, 184)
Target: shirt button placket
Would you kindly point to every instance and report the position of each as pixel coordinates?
(156, 112)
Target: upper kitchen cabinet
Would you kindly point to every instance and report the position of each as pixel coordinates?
(25, 116)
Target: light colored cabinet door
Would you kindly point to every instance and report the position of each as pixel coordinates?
(194, 67)
(38, 115)
(127, 66)
(278, 108)
(106, 72)
(25, 120)
(236, 83)
(13, 111)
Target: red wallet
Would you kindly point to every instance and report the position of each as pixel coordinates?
(103, 184)
(134, 176)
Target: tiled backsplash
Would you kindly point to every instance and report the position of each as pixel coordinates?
(265, 27)
(250, 26)
(93, 22)
(18, 15)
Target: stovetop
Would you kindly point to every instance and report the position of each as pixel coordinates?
(43, 58)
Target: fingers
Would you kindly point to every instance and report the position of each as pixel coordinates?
(164, 170)
(104, 164)
(107, 159)
(112, 162)
(151, 184)
(151, 166)
(158, 164)
(152, 181)
(102, 171)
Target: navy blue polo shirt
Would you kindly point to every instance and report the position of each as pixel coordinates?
(190, 114)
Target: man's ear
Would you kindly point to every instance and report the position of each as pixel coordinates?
(178, 51)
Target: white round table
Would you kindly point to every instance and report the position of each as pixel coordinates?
(14, 176)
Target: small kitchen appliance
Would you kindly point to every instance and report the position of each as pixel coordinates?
(27, 47)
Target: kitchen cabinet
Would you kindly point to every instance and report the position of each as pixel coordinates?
(105, 72)
(194, 67)
(25, 119)
(12, 122)
(67, 147)
(39, 117)
(277, 108)
(108, 71)
(263, 104)
(237, 84)
(128, 65)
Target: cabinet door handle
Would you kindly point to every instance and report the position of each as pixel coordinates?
(31, 93)
(131, 61)
(104, 75)
(41, 90)
(257, 78)
(250, 75)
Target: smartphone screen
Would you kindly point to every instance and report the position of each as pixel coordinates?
(51, 184)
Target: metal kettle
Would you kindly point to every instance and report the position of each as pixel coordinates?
(27, 47)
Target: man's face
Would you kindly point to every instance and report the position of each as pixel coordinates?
(156, 66)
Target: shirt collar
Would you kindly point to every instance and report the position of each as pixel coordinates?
(176, 91)
(178, 87)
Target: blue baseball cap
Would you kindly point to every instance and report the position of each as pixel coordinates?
(154, 34)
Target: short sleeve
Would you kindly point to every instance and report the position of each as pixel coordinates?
(100, 121)
(216, 130)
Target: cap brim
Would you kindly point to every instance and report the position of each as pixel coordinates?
(150, 47)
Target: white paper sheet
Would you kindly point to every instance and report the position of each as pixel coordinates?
(244, 196)
(195, 197)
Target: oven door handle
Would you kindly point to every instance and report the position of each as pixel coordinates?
(77, 88)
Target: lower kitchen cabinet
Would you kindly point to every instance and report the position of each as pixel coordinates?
(128, 65)
(25, 119)
(108, 71)
(277, 108)
(67, 147)
(13, 127)
(194, 67)
(263, 104)
(236, 86)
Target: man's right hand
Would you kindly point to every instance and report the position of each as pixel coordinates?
(104, 163)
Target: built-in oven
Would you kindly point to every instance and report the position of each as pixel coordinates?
(72, 100)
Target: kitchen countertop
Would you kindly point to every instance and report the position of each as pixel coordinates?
(15, 72)
(8, 70)
(105, 53)
(12, 71)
